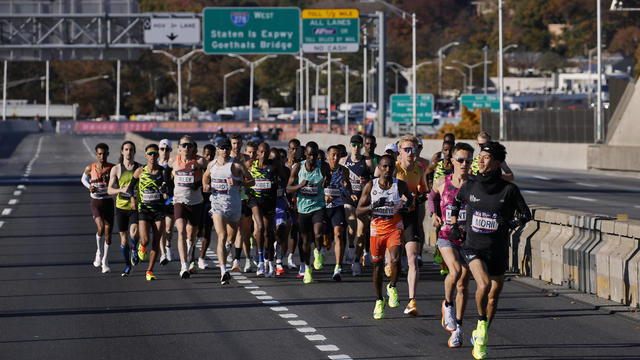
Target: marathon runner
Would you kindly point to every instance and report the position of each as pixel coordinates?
(422, 209)
(96, 178)
(243, 237)
(334, 193)
(126, 212)
(223, 178)
(296, 155)
(370, 149)
(385, 199)
(206, 224)
(493, 206)
(360, 171)
(410, 172)
(165, 242)
(308, 180)
(152, 188)
(187, 200)
(278, 157)
(483, 138)
(440, 204)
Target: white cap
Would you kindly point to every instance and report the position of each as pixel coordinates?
(165, 143)
(256, 128)
(393, 147)
(219, 127)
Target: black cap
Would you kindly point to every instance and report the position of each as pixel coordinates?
(356, 139)
(496, 150)
(223, 142)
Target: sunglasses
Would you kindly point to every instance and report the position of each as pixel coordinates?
(356, 144)
(165, 149)
(224, 147)
(186, 145)
(152, 153)
(461, 160)
(409, 150)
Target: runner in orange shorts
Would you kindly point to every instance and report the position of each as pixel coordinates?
(384, 198)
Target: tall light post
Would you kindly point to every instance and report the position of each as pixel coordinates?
(470, 67)
(4, 92)
(328, 65)
(252, 65)
(224, 85)
(178, 61)
(485, 51)
(464, 76)
(501, 53)
(440, 56)
(79, 82)
(599, 102)
(345, 68)
(410, 75)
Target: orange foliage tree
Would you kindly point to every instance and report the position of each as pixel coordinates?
(468, 128)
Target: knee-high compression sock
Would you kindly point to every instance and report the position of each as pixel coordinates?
(133, 243)
(237, 253)
(126, 253)
(98, 241)
(105, 253)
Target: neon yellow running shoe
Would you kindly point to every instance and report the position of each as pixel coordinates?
(317, 259)
(479, 338)
(392, 293)
(308, 278)
(142, 252)
(378, 311)
(149, 275)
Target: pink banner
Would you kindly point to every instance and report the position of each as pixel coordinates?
(96, 127)
(137, 126)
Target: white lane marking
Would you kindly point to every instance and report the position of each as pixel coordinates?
(249, 287)
(531, 191)
(84, 141)
(581, 198)
(17, 193)
(340, 357)
(239, 277)
(327, 348)
(315, 337)
(1, 224)
(271, 302)
(306, 329)
(264, 297)
(542, 177)
(37, 154)
(288, 316)
(13, 201)
(280, 308)
(21, 186)
(637, 206)
(587, 185)
(244, 281)
(297, 323)
(258, 292)
(6, 211)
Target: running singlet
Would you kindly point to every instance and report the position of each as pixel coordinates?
(446, 207)
(387, 218)
(310, 197)
(356, 170)
(335, 188)
(441, 171)
(474, 165)
(423, 163)
(265, 187)
(222, 193)
(186, 174)
(124, 203)
(150, 198)
(100, 181)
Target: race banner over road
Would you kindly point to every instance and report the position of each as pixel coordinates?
(267, 30)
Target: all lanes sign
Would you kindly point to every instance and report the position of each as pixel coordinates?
(330, 30)
(402, 108)
(266, 30)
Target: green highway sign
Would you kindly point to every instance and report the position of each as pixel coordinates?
(330, 30)
(236, 30)
(480, 101)
(402, 108)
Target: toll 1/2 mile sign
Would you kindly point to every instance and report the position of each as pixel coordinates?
(266, 30)
(330, 30)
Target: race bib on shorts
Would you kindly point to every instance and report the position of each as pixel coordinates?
(220, 186)
(184, 178)
(262, 184)
(150, 196)
(484, 223)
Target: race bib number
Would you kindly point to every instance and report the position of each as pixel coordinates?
(335, 192)
(309, 190)
(482, 222)
(355, 182)
(184, 178)
(356, 187)
(280, 192)
(101, 189)
(262, 184)
(384, 211)
(220, 186)
(462, 215)
(149, 196)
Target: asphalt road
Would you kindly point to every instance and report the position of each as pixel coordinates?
(55, 304)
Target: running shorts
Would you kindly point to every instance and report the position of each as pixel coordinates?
(267, 205)
(411, 227)
(378, 243)
(335, 217)
(125, 218)
(306, 221)
(282, 213)
(151, 216)
(103, 208)
(191, 213)
(444, 243)
(246, 210)
(496, 261)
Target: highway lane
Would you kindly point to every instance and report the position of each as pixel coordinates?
(54, 304)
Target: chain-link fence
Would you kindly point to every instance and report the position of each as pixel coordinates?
(570, 126)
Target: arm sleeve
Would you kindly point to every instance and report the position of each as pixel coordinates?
(432, 201)
(85, 180)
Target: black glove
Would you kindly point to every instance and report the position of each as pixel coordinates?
(455, 233)
(379, 203)
(164, 188)
(514, 224)
(421, 198)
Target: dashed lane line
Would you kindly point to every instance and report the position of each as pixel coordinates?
(581, 198)
(587, 185)
(17, 193)
(541, 177)
(1, 224)
(13, 201)
(6, 211)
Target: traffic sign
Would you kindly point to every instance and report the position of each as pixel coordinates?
(266, 30)
(172, 31)
(480, 101)
(330, 30)
(402, 108)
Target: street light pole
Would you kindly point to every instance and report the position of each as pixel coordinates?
(500, 71)
(301, 91)
(485, 50)
(415, 75)
(329, 92)
(48, 100)
(470, 67)
(4, 91)
(224, 85)
(440, 54)
(251, 65)
(307, 96)
(599, 103)
(178, 61)
(365, 76)
(464, 76)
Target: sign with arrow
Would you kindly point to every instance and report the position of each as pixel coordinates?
(172, 31)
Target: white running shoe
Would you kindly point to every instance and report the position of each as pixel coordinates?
(225, 278)
(184, 272)
(448, 317)
(105, 266)
(202, 264)
(236, 265)
(229, 248)
(260, 271)
(169, 256)
(301, 272)
(455, 340)
(270, 269)
(355, 269)
(97, 262)
(247, 266)
(290, 263)
(163, 259)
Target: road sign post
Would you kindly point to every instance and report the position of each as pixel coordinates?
(480, 101)
(402, 108)
(251, 30)
(330, 30)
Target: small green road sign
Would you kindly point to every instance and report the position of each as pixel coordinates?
(480, 101)
(330, 30)
(267, 30)
(402, 108)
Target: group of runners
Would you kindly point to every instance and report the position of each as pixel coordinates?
(368, 208)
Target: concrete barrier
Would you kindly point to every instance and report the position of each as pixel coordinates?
(619, 158)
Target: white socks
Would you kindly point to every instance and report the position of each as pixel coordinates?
(98, 242)
(105, 252)
(223, 268)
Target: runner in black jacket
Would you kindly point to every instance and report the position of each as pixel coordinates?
(493, 207)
